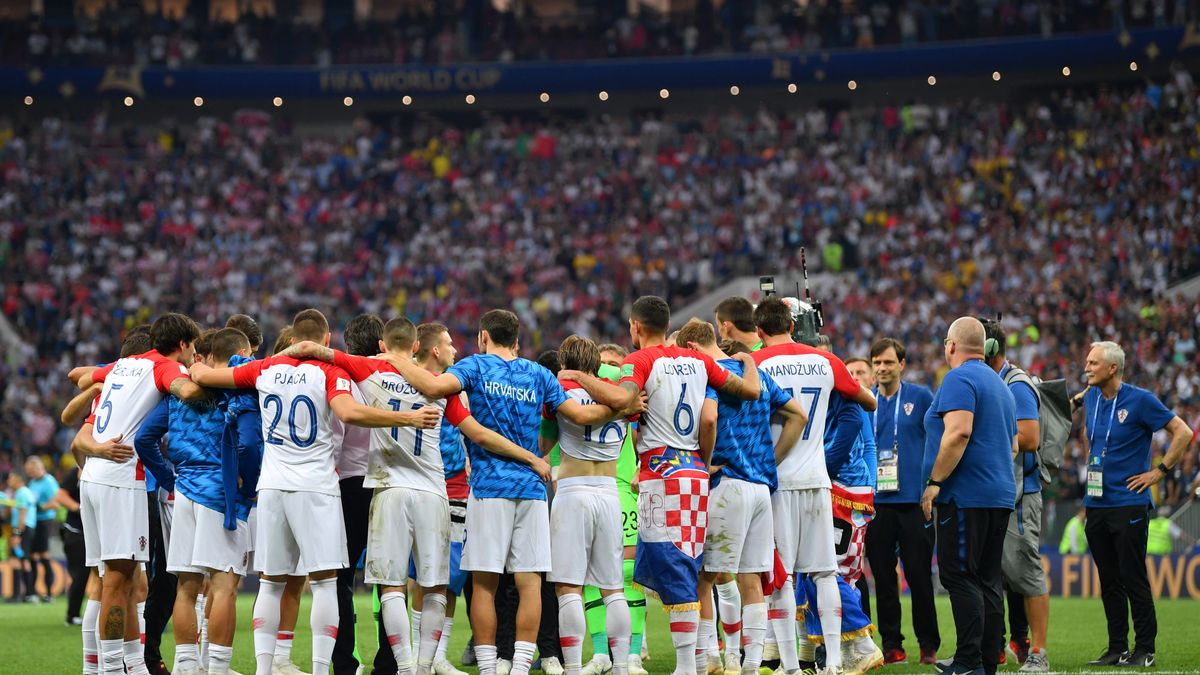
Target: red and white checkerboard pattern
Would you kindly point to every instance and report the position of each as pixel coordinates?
(687, 513)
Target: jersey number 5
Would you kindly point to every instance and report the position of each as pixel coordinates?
(106, 406)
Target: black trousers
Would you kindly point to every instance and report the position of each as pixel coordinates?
(1117, 539)
(1018, 622)
(970, 543)
(902, 528)
(74, 550)
(160, 600)
(356, 510)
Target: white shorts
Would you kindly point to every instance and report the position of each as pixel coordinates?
(804, 530)
(507, 535)
(586, 539)
(406, 522)
(116, 523)
(200, 544)
(740, 536)
(299, 533)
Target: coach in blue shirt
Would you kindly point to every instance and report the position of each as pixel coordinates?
(1120, 419)
(972, 427)
(899, 525)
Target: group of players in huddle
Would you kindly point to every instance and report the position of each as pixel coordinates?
(733, 458)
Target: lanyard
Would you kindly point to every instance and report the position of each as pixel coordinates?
(895, 417)
(1096, 418)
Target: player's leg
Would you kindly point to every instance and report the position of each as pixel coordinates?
(757, 557)
(634, 596)
(187, 655)
(606, 570)
(289, 615)
(320, 534)
(133, 652)
(123, 539)
(528, 558)
(571, 532)
(431, 560)
(225, 556)
(785, 506)
(276, 556)
(593, 612)
(223, 620)
(707, 659)
(389, 546)
(91, 617)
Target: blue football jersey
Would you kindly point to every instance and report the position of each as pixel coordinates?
(744, 447)
(507, 397)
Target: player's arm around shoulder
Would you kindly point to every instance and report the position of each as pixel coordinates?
(77, 407)
(350, 411)
(613, 396)
(747, 387)
(497, 444)
(204, 376)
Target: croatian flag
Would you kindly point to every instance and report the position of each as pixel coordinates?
(672, 519)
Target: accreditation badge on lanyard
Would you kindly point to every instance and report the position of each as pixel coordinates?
(887, 472)
(1095, 472)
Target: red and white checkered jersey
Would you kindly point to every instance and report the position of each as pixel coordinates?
(299, 443)
(133, 386)
(810, 376)
(401, 456)
(675, 379)
(594, 443)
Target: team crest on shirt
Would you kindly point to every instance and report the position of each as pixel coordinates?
(343, 384)
(1121, 415)
(908, 408)
(141, 543)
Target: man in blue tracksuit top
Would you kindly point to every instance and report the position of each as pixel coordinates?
(210, 534)
(899, 525)
(971, 432)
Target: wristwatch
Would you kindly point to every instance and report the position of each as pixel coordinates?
(1162, 466)
(933, 483)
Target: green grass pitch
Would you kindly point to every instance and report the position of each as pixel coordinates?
(33, 638)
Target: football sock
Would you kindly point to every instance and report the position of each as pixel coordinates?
(395, 625)
(523, 657)
(324, 621)
(91, 656)
(729, 609)
(754, 631)
(593, 609)
(444, 640)
(782, 615)
(134, 656)
(433, 612)
(636, 598)
(266, 624)
(617, 625)
(571, 625)
(219, 657)
(683, 637)
(829, 608)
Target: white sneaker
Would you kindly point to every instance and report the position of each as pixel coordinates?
(552, 666)
(1036, 663)
(635, 665)
(444, 667)
(856, 659)
(285, 667)
(503, 666)
(770, 651)
(733, 664)
(715, 667)
(359, 670)
(189, 671)
(600, 664)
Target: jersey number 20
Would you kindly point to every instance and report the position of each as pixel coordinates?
(275, 401)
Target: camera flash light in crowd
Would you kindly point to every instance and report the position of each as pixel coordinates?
(995, 76)
(28, 100)
(852, 85)
(1066, 71)
(544, 97)
(603, 95)
(931, 80)
(407, 100)
(348, 101)
(792, 88)
(198, 101)
(1133, 65)
(734, 90)
(470, 99)
(128, 101)
(663, 93)
(277, 101)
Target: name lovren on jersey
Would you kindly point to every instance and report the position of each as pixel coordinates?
(775, 370)
(689, 368)
(519, 394)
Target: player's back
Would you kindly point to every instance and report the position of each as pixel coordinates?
(593, 443)
(675, 381)
(810, 376)
(299, 442)
(400, 456)
(744, 447)
(133, 386)
(507, 397)
(194, 448)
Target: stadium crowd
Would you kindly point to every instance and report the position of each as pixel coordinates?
(475, 30)
(1064, 212)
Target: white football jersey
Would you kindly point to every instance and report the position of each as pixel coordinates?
(400, 456)
(675, 380)
(133, 386)
(594, 443)
(299, 439)
(356, 443)
(810, 376)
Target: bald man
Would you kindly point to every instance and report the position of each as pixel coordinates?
(971, 434)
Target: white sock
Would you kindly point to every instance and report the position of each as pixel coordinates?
(324, 621)
(433, 612)
(618, 626)
(283, 645)
(523, 656)
(91, 656)
(219, 657)
(485, 658)
(754, 631)
(705, 632)
(112, 657)
(729, 608)
(203, 642)
(683, 637)
(199, 609)
(572, 625)
(444, 641)
(395, 625)
(782, 616)
(266, 623)
(829, 608)
(414, 624)
(141, 616)
(134, 656)
(186, 656)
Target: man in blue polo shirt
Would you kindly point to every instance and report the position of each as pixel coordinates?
(899, 525)
(1120, 419)
(971, 431)
(508, 524)
(45, 488)
(1024, 578)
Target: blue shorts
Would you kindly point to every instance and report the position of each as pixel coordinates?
(458, 576)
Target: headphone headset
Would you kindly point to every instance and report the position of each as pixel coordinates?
(991, 346)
